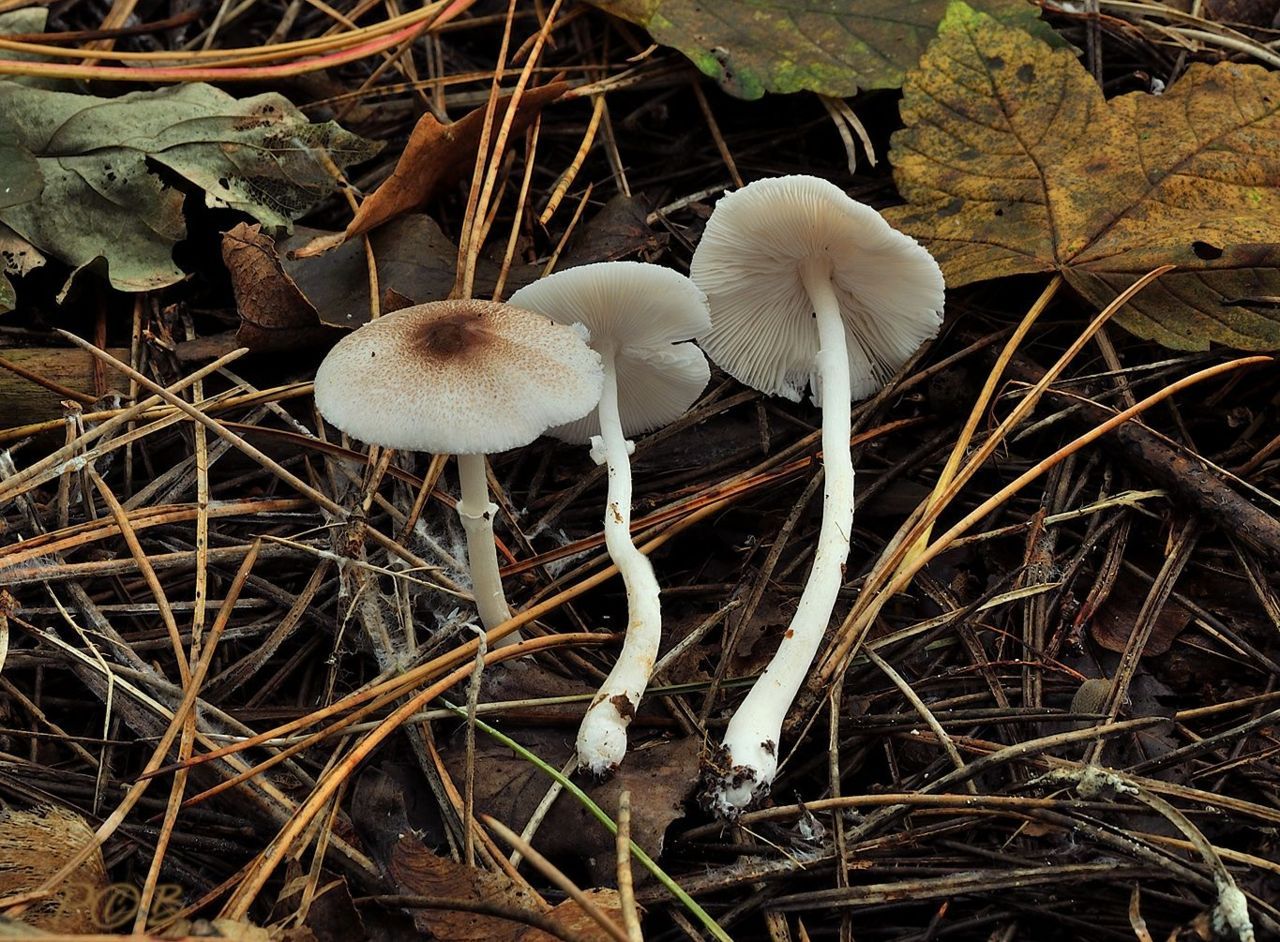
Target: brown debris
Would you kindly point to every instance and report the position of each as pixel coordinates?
(437, 154)
(274, 314)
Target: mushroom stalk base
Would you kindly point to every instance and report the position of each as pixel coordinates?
(602, 738)
(476, 511)
(751, 740)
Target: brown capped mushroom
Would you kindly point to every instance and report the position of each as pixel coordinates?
(461, 377)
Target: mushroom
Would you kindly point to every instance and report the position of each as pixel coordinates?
(460, 377)
(637, 315)
(807, 287)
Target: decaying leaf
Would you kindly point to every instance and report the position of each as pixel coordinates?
(575, 920)
(17, 257)
(439, 153)
(102, 199)
(417, 262)
(619, 230)
(660, 775)
(380, 814)
(1013, 163)
(414, 258)
(835, 48)
(274, 314)
(1262, 13)
(1116, 619)
(34, 845)
(416, 870)
(27, 21)
(19, 171)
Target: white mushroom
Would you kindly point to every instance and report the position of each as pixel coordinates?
(638, 315)
(460, 377)
(807, 287)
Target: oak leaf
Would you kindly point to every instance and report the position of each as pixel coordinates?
(1012, 162)
(101, 197)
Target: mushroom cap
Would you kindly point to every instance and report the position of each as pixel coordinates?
(763, 330)
(644, 313)
(458, 377)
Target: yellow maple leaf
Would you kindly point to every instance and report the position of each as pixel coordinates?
(1012, 162)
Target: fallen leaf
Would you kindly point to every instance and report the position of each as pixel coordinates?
(274, 314)
(19, 170)
(333, 917)
(34, 845)
(28, 21)
(619, 230)
(417, 262)
(393, 300)
(438, 153)
(1012, 163)
(1116, 618)
(660, 775)
(835, 48)
(102, 199)
(380, 815)
(575, 920)
(17, 258)
(1262, 13)
(414, 258)
(418, 871)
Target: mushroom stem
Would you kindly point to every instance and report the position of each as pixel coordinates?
(476, 512)
(751, 739)
(602, 738)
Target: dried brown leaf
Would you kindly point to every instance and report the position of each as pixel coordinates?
(417, 262)
(660, 775)
(1116, 619)
(575, 920)
(414, 258)
(274, 314)
(439, 153)
(416, 870)
(619, 230)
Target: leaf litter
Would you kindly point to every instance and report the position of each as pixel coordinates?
(1012, 162)
(1083, 625)
(100, 198)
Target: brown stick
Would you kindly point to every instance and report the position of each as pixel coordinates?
(1189, 480)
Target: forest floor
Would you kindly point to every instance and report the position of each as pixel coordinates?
(1062, 724)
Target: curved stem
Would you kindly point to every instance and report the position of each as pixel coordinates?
(476, 512)
(751, 739)
(602, 738)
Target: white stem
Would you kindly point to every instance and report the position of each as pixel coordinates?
(602, 738)
(751, 740)
(476, 512)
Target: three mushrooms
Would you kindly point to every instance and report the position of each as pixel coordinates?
(793, 285)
